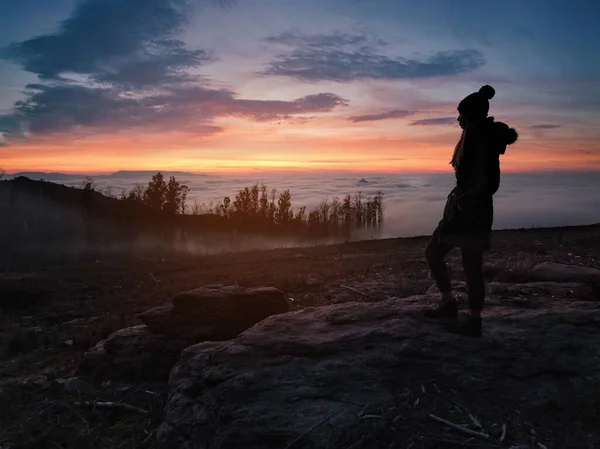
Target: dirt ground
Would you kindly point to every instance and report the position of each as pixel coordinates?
(52, 315)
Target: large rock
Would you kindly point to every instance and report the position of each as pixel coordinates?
(557, 272)
(220, 301)
(133, 353)
(169, 322)
(305, 378)
(215, 312)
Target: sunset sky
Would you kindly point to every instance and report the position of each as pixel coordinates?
(102, 85)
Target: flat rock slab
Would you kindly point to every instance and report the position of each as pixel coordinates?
(281, 380)
(556, 272)
(133, 353)
(171, 323)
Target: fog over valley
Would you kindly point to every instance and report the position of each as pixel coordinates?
(413, 202)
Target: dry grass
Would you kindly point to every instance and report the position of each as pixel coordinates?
(407, 423)
(62, 420)
(519, 270)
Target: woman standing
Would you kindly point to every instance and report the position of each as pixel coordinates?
(469, 211)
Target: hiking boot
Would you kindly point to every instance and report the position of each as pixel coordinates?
(466, 325)
(446, 309)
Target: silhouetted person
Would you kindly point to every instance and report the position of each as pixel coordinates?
(469, 212)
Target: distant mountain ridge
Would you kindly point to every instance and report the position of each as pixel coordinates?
(56, 176)
(36, 176)
(149, 173)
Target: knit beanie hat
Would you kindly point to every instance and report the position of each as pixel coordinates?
(477, 105)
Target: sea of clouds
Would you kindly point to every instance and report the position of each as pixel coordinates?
(413, 202)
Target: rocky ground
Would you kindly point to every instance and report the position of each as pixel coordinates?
(351, 365)
(334, 376)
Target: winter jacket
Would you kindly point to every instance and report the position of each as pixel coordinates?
(469, 210)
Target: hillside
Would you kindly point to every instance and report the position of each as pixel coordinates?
(25, 193)
(44, 221)
(52, 317)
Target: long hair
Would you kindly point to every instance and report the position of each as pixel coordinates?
(459, 150)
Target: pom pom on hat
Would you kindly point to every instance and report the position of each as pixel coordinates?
(477, 105)
(487, 91)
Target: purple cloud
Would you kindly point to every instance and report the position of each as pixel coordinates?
(137, 74)
(64, 107)
(394, 113)
(335, 39)
(434, 121)
(545, 126)
(342, 58)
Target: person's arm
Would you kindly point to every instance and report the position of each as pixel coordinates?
(487, 171)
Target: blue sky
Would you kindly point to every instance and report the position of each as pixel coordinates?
(280, 78)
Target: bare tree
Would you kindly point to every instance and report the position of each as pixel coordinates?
(136, 194)
(359, 206)
(196, 208)
(108, 191)
(324, 211)
(88, 184)
(336, 212)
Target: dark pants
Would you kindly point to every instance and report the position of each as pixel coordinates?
(472, 262)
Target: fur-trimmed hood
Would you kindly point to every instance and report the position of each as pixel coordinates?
(495, 136)
(502, 135)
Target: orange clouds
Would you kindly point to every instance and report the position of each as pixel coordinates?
(317, 145)
(331, 141)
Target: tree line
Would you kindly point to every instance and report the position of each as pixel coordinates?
(257, 208)
(44, 221)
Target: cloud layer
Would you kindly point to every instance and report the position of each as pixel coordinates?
(434, 121)
(113, 41)
(66, 107)
(118, 65)
(544, 126)
(336, 39)
(175, 83)
(394, 113)
(344, 57)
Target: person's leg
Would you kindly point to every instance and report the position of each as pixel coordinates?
(435, 252)
(472, 260)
